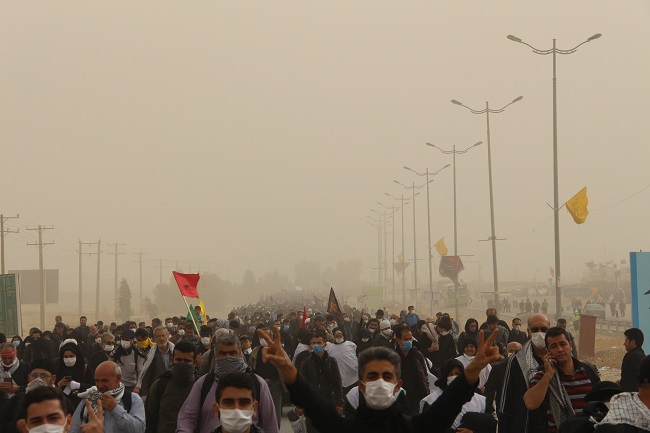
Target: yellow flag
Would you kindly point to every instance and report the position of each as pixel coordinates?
(202, 305)
(400, 258)
(577, 206)
(441, 247)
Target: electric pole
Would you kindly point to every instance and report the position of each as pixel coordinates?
(140, 261)
(116, 254)
(160, 267)
(41, 244)
(2, 240)
(99, 254)
(81, 244)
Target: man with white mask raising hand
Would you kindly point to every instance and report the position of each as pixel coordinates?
(512, 413)
(379, 383)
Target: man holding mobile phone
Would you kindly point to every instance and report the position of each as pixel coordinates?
(562, 382)
(13, 373)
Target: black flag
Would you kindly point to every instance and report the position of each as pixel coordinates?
(450, 267)
(333, 306)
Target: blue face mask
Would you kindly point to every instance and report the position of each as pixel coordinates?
(407, 345)
(317, 349)
(15, 343)
(285, 327)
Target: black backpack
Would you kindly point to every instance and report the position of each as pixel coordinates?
(584, 422)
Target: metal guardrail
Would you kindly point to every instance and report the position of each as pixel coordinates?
(613, 325)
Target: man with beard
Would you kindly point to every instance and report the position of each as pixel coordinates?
(168, 393)
(512, 413)
(197, 413)
(13, 373)
(158, 360)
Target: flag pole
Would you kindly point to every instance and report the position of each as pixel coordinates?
(191, 315)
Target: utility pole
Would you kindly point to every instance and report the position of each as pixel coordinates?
(116, 253)
(2, 240)
(99, 254)
(41, 244)
(160, 267)
(80, 252)
(140, 261)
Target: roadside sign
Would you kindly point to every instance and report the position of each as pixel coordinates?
(10, 319)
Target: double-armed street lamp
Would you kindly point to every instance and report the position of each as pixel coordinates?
(427, 174)
(487, 111)
(403, 200)
(393, 209)
(556, 210)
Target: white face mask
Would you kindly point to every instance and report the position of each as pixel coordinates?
(69, 362)
(393, 322)
(380, 394)
(450, 379)
(206, 340)
(109, 348)
(365, 340)
(181, 332)
(125, 344)
(443, 333)
(387, 332)
(98, 340)
(235, 420)
(538, 339)
(339, 340)
(247, 351)
(47, 428)
(517, 327)
(170, 325)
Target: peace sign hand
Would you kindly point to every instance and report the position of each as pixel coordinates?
(276, 355)
(95, 421)
(485, 354)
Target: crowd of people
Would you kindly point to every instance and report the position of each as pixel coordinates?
(347, 370)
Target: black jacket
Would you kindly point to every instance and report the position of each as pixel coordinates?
(630, 369)
(438, 418)
(323, 372)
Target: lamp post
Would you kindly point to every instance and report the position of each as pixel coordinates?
(403, 201)
(454, 152)
(487, 110)
(393, 209)
(377, 224)
(556, 210)
(415, 253)
(427, 174)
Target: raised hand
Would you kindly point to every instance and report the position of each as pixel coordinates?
(485, 354)
(276, 355)
(95, 422)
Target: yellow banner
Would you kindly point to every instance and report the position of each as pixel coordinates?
(577, 206)
(441, 247)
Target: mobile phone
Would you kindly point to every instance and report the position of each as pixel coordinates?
(8, 380)
(68, 378)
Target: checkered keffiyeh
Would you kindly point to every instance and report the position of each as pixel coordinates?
(93, 395)
(627, 408)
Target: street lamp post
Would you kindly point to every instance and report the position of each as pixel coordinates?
(556, 210)
(393, 209)
(487, 110)
(403, 201)
(377, 224)
(427, 174)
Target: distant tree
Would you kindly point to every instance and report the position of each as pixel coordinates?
(124, 308)
(149, 308)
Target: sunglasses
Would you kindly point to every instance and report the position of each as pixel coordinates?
(539, 329)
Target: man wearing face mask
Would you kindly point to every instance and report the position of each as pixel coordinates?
(512, 413)
(345, 354)
(322, 371)
(445, 348)
(46, 411)
(235, 404)
(379, 385)
(516, 334)
(197, 413)
(107, 345)
(411, 318)
(13, 373)
(168, 393)
(385, 337)
(158, 360)
(12, 415)
(363, 342)
(414, 368)
(129, 359)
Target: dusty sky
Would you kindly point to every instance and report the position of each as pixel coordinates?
(257, 134)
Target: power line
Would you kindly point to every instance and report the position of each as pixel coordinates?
(2, 239)
(116, 254)
(40, 245)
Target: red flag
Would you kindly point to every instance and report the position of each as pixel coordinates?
(303, 325)
(187, 284)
